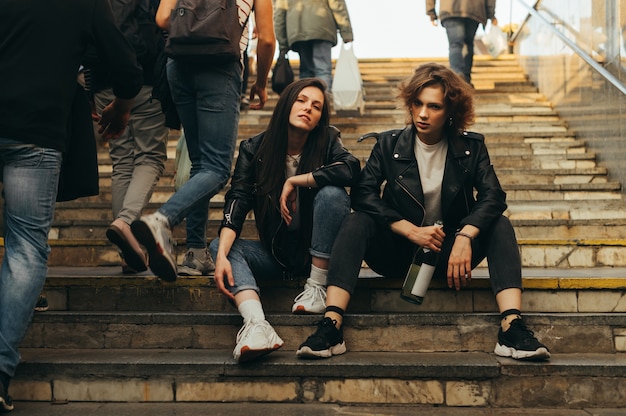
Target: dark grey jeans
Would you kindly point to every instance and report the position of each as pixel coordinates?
(388, 254)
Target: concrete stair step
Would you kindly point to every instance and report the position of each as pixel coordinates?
(411, 331)
(471, 380)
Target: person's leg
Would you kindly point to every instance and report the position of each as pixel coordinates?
(138, 161)
(330, 206)
(250, 261)
(30, 175)
(207, 99)
(359, 238)
(307, 65)
(470, 32)
(455, 30)
(322, 62)
(149, 135)
(505, 271)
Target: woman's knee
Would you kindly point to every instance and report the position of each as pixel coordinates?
(333, 199)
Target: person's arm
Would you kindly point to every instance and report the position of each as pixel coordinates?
(342, 19)
(164, 12)
(431, 11)
(280, 24)
(266, 44)
(115, 118)
(223, 269)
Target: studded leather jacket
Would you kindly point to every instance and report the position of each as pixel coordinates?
(340, 168)
(471, 192)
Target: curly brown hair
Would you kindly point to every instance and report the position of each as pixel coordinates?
(459, 95)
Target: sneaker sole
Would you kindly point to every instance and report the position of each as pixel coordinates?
(248, 354)
(190, 271)
(4, 407)
(133, 259)
(301, 310)
(307, 352)
(541, 354)
(159, 264)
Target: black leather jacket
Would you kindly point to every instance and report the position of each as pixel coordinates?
(468, 169)
(290, 249)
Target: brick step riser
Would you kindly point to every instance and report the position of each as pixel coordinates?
(407, 333)
(447, 381)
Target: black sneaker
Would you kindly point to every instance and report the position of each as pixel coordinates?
(6, 403)
(520, 343)
(42, 304)
(325, 342)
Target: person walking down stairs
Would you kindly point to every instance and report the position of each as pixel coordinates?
(139, 155)
(207, 96)
(293, 176)
(40, 54)
(432, 168)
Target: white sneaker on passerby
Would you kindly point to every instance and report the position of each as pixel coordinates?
(153, 231)
(311, 300)
(198, 262)
(255, 339)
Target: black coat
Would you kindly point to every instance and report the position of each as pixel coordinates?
(471, 192)
(340, 168)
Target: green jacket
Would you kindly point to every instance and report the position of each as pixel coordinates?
(478, 10)
(302, 20)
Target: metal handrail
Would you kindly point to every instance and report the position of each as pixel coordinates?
(532, 11)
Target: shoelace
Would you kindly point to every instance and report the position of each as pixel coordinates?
(311, 292)
(247, 328)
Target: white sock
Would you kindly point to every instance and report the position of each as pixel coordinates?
(251, 309)
(318, 276)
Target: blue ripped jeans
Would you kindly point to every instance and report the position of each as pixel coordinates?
(30, 176)
(252, 262)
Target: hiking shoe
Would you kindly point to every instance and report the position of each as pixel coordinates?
(311, 300)
(153, 231)
(520, 343)
(197, 265)
(42, 304)
(6, 403)
(325, 342)
(255, 339)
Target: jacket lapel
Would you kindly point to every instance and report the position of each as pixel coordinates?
(455, 171)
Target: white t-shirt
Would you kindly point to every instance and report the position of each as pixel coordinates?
(431, 162)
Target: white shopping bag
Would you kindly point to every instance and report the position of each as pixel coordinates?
(348, 94)
(496, 41)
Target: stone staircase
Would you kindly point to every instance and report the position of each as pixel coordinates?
(110, 337)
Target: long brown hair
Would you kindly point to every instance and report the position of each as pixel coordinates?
(272, 152)
(459, 95)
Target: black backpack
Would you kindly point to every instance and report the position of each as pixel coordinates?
(204, 31)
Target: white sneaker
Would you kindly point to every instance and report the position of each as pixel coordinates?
(311, 300)
(153, 231)
(255, 339)
(197, 265)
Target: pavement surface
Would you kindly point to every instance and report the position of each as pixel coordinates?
(281, 409)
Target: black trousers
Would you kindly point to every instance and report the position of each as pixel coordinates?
(388, 254)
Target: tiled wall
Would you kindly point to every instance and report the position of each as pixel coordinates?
(594, 109)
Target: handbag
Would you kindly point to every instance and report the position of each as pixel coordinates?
(182, 163)
(282, 74)
(495, 41)
(348, 94)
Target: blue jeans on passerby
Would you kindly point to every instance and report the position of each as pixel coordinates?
(461, 32)
(251, 262)
(315, 60)
(207, 99)
(30, 176)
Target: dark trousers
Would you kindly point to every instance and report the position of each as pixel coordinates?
(388, 254)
